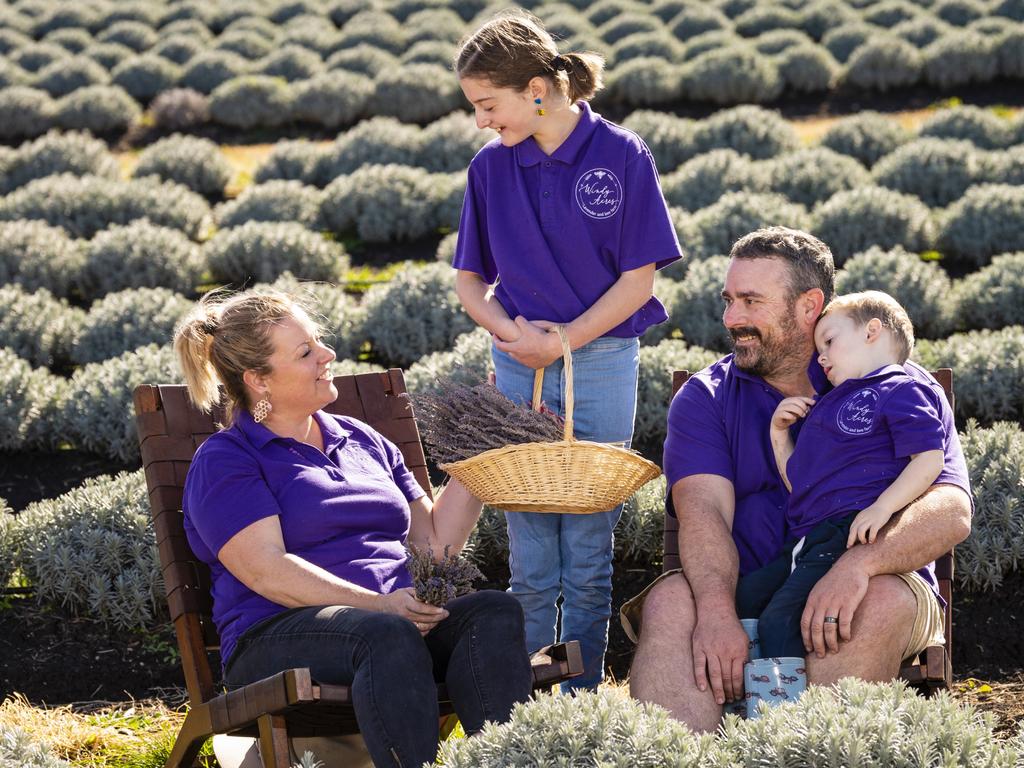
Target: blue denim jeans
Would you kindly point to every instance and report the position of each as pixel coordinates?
(479, 651)
(570, 556)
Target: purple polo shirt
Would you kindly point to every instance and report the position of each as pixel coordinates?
(854, 443)
(345, 510)
(718, 424)
(559, 230)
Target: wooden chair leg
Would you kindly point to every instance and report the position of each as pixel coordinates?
(193, 734)
(274, 742)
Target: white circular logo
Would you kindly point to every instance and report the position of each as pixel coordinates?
(599, 193)
(857, 414)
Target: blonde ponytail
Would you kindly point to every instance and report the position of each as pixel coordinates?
(193, 339)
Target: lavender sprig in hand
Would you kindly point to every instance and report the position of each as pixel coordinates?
(438, 581)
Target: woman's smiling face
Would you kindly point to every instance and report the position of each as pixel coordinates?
(511, 113)
(300, 380)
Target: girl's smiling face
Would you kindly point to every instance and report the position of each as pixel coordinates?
(512, 113)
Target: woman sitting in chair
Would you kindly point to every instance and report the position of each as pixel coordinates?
(302, 517)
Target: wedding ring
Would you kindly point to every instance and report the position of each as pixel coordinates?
(831, 620)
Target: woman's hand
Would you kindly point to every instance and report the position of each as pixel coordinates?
(403, 602)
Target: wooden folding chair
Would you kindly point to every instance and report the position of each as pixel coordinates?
(931, 670)
(290, 703)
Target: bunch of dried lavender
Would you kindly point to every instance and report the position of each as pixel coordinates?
(438, 581)
(457, 421)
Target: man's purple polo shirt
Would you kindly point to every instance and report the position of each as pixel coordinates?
(345, 510)
(854, 443)
(561, 229)
(718, 424)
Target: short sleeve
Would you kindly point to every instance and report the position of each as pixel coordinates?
(696, 443)
(913, 420)
(472, 251)
(225, 492)
(648, 234)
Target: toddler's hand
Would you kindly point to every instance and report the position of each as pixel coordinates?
(866, 525)
(790, 410)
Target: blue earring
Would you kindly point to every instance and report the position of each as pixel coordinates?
(539, 110)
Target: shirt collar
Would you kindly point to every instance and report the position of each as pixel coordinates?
(822, 385)
(528, 152)
(258, 435)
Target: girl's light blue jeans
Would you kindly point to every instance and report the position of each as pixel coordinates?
(570, 556)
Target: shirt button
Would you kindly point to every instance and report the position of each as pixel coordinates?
(547, 194)
(547, 164)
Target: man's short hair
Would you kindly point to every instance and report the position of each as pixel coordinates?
(866, 305)
(810, 261)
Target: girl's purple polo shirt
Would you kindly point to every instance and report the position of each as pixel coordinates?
(559, 230)
(854, 443)
(345, 510)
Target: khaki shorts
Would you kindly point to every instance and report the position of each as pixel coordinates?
(928, 623)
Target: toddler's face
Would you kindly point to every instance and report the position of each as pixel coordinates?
(842, 348)
(509, 112)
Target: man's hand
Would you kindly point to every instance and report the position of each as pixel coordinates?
(720, 648)
(790, 410)
(535, 347)
(836, 596)
(866, 525)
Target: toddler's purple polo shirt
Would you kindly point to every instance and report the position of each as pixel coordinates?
(345, 510)
(559, 230)
(854, 443)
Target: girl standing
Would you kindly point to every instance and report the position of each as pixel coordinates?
(564, 212)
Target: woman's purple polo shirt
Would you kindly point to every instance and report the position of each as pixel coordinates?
(718, 424)
(345, 510)
(559, 230)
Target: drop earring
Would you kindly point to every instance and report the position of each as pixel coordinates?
(540, 110)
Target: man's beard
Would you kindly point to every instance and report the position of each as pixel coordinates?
(772, 354)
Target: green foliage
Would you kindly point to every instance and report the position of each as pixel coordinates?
(361, 59)
(416, 313)
(98, 109)
(290, 161)
(866, 136)
(376, 29)
(12, 74)
(488, 541)
(467, 362)
(384, 203)
(981, 127)
(273, 201)
(6, 547)
(989, 367)
(416, 93)
(765, 18)
(629, 23)
(25, 112)
(639, 534)
(712, 230)
(855, 220)
(331, 99)
(703, 180)
(995, 547)
(108, 55)
(819, 16)
(709, 41)
(377, 141)
(922, 31)
(778, 40)
(882, 63)
(126, 320)
(140, 255)
(606, 728)
(807, 68)
(196, 163)
(66, 75)
(960, 12)
(37, 326)
(843, 40)
(93, 552)
(265, 250)
(670, 138)
(29, 405)
(960, 57)
(643, 81)
(449, 144)
(992, 297)
(97, 414)
(657, 44)
(178, 49)
(937, 171)
(889, 13)
(654, 389)
(695, 305)
(54, 153)
(36, 255)
(251, 100)
(34, 57)
(133, 34)
(736, 74)
(86, 205)
(245, 42)
(145, 76)
(291, 62)
(208, 70)
(18, 747)
(1010, 53)
(922, 287)
(749, 130)
(810, 176)
(984, 222)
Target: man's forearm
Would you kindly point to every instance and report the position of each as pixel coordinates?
(928, 528)
(706, 549)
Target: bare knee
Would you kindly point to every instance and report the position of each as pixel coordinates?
(669, 606)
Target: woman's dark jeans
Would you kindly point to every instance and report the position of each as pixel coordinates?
(479, 651)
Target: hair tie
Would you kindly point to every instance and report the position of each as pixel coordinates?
(561, 64)
(209, 327)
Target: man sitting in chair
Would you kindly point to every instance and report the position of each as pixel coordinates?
(877, 605)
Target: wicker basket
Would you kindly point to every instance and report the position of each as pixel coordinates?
(575, 476)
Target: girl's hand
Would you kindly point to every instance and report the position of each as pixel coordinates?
(535, 348)
(789, 411)
(403, 602)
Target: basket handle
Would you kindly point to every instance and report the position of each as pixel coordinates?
(538, 383)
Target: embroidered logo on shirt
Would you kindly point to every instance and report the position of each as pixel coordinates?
(857, 414)
(599, 193)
